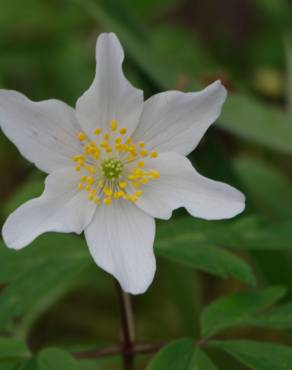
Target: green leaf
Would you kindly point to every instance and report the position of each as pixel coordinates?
(214, 260)
(202, 361)
(244, 233)
(237, 309)
(31, 188)
(29, 290)
(178, 355)
(256, 355)
(278, 11)
(12, 348)
(288, 48)
(10, 364)
(54, 358)
(31, 364)
(260, 180)
(249, 119)
(46, 247)
(279, 318)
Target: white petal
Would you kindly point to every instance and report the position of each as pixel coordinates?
(181, 186)
(44, 132)
(61, 208)
(110, 96)
(120, 239)
(176, 121)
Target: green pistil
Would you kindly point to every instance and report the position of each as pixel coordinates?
(112, 168)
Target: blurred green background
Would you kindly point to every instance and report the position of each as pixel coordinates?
(52, 293)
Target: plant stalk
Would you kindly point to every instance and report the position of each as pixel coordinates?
(127, 328)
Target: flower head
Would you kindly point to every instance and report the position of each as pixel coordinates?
(114, 163)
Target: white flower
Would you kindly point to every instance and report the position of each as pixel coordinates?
(115, 163)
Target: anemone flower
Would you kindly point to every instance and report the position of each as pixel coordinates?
(115, 163)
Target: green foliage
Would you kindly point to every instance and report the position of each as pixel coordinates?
(12, 348)
(288, 47)
(260, 180)
(213, 260)
(54, 358)
(251, 120)
(202, 362)
(178, 355)
(239, 309)
(258, 356)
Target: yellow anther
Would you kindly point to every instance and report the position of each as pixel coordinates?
(96, 155)
(141, 164)
(109, 149)
(119, 147)
(131, 157)
(107, 191)
(123, 184)
(154, 155)
(97, 131)
(129, 140)
(107, 201)
(90, 169)
(104, 144)
(141, 144)
(144, 180)
(154, 174)
(90, 180)
(144, 153)
(106, 136)
(114, 125)
(123, 131)
(131, 177)
(81, 159)
(132, 150)
(78, 168)
(118, 194)
(88, 188)
(132, 198)
(84, 178)
(96, 201)
(81, 136)
(138, 193)
(136, 184)
(80, 186)
(100, 183)
(90, 197)
(137, 171)
(118, 140)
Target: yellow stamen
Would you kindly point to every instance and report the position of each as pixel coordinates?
(144, 153)
(123, 184)
(107, 191)
(123, 131)
(114, 125)
(81, 136)
(107, 201)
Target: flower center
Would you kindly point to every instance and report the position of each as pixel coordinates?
(112, 166)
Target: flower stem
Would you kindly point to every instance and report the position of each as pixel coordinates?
(127, 328)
